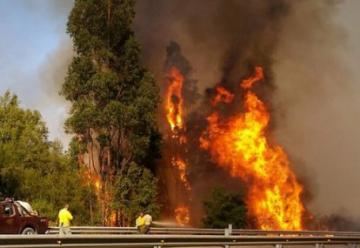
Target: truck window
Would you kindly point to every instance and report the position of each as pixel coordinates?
(6, 210)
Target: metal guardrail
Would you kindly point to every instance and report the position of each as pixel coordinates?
(202, 231)
(156, 241)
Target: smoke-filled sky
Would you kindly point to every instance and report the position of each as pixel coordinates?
(317, 96)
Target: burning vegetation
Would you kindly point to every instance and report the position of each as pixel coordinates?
(223, 137)
(240, 144)
(174, 101)
(174, 108)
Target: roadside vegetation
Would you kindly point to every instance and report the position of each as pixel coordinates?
(34, 169)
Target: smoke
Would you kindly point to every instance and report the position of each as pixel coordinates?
(317, 102)
(51, 77)
(302, 49)
(222, 40)
(53, 71)
(338, 222)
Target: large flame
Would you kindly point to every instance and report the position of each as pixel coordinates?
(240, 144)
(175, 116)
(174, 100)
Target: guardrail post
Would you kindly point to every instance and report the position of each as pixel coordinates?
(228, 232)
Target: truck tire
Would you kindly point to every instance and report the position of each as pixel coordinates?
(28, 231)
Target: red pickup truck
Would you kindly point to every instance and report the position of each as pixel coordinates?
(17, 217)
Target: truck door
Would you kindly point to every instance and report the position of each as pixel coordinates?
(8, 220)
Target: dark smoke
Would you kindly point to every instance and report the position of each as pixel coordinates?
(223, 40)
(340, 223)
(335, 222)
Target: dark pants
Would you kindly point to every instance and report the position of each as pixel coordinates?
(144, 229)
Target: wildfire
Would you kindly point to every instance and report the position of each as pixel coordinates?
(175, 116)
(181, 166)
(240, 145)
(182, 215)
(174, 100)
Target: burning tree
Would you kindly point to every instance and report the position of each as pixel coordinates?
(240, 143)
(114, 101)
(179, 93)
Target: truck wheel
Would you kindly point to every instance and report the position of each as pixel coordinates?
(28, 231)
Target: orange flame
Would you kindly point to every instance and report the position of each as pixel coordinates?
(182, 215)
(93, 179)
(174, 100)
(181, 166)
(175, 114)
(222, 96)
(240, 145)
(259, 75)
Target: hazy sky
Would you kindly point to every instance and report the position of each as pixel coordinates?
(31, 32)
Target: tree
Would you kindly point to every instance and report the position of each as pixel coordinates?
(136, 191)
(23, 146)
(114, 98)
(26, 156)
(225, 208)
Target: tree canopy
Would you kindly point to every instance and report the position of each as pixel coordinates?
(26, 156)
(114, 98)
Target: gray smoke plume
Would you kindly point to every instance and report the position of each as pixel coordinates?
(317, 102)
(53, 71)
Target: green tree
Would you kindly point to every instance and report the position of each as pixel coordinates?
(62, 184)
(114, 98)
(34, 169)
(23, 146)
(225, 208)
(136, 192)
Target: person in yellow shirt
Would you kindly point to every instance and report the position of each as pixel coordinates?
(140, 222)
(147, 222)
(65, 218)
